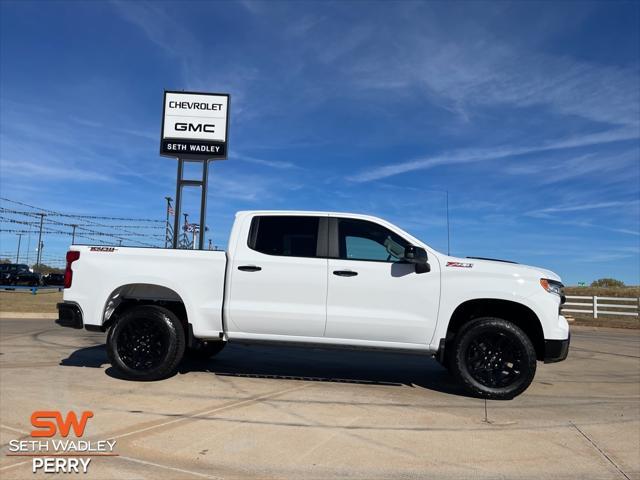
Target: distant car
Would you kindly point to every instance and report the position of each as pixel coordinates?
(33, 279)
(54, 279)
(9, 271)
(17, 274)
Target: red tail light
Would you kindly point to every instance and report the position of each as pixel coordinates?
(68, 273)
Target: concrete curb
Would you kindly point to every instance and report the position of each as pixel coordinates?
(32, 315)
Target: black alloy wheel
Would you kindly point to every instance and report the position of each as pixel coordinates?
(146, 343)
(142, 345)
(493, 358)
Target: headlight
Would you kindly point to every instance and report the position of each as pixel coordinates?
(552, 286)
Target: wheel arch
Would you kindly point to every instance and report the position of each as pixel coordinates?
(514, 312)
(133, 294)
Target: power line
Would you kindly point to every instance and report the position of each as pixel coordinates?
(96, 217)
(123, 236)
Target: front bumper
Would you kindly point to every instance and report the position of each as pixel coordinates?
(556, 350)
(69, 315)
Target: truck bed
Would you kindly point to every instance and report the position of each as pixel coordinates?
(113, 273)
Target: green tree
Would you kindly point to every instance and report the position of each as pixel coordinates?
(608, 282)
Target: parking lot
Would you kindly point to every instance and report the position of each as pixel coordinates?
(267, 412)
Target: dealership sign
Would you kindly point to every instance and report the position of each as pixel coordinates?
(195, 125)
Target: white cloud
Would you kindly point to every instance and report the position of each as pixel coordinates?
(160, 28)
(480, 155)
(582, 207)
(279, 164)
(43, 172)
(466, 66)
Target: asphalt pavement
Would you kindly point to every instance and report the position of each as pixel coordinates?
(275, 412)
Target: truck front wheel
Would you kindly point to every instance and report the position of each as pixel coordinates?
(493, 358)
(146, 343)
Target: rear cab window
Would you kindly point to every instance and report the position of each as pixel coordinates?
(285, 235)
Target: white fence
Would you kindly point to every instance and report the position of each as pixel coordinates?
(596, 306)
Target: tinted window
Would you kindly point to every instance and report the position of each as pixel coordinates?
(290, 236)
(362, 240)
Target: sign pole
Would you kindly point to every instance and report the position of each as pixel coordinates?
(194, 129)
(203, 203)
(178, 204)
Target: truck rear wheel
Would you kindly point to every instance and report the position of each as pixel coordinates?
(493, 358)
(146, 343)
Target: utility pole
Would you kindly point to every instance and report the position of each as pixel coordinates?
(167, 240)
(73, 234)
(18, 254)
(40, 240)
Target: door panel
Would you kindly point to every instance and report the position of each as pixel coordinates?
(278, 293)
(385, 302)
(381, 299)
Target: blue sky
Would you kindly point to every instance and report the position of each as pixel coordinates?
(527, 113)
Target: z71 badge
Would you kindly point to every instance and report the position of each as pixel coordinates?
(459, 264)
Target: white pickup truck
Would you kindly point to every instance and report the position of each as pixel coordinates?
(321, 279)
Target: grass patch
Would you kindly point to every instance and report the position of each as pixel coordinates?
(604, 292)
(42, 302)
(608, 321)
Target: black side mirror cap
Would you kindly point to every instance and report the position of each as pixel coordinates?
(413, 254)
(423, 267)
(417, 256)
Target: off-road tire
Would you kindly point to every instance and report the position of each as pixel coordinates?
(146, 343)
(493, 358)
(204, 350)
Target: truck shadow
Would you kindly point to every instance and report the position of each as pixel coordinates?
(303, 364)
(93, 357)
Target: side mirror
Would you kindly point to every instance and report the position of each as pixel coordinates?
(417, 256)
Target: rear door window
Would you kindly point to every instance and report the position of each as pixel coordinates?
(288, 236)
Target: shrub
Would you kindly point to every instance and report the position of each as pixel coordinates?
(608, 283)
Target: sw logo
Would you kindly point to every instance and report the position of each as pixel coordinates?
(46, 427)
